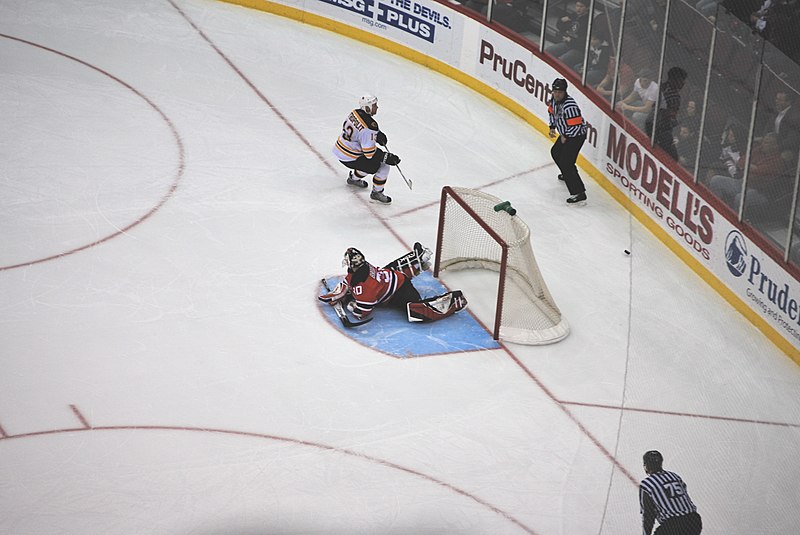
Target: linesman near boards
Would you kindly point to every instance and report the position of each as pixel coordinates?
(567, 122)
(663, 496)
(356, 149)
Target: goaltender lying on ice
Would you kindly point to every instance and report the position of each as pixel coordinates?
(366, 286)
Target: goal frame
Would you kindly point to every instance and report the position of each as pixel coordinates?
(483, 233)
(448, 191)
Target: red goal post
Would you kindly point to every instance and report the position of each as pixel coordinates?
(473, 235)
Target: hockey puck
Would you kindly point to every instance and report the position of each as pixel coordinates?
(627, 252)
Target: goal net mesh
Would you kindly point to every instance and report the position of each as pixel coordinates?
(473, 235)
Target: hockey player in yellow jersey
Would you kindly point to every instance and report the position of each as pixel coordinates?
(357, 149)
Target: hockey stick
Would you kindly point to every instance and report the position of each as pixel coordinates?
(408, 182)
(347, 322)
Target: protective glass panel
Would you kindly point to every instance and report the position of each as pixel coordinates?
(637, 77)
(603, 41)
(731, 91)
(772, 166)
(567, 29)
(687, 47)
(478, 6)
(523, 17)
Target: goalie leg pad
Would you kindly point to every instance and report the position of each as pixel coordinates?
(412, 263)
(423, 255)
(436, 308)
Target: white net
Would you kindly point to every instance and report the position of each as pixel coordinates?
(472, 236)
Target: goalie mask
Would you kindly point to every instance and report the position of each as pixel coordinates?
(353, 259)
(368, 103)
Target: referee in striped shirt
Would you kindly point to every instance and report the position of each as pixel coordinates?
(566, 121)
(663, 496)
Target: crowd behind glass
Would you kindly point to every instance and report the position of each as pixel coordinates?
(736, 131)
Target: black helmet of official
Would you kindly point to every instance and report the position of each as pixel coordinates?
(653, 460)
(559, 84)
(353, 259)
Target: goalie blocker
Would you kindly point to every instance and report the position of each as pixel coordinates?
(366, 286)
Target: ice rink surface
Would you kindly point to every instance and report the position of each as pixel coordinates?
(168, 204)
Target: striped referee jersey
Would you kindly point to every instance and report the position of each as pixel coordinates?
(566, 118)
(663, 495)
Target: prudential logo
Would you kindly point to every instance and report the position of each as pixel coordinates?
(736, 253)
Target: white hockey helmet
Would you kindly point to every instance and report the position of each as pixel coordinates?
(367, 102)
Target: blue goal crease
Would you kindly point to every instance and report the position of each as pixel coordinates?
(390, 331)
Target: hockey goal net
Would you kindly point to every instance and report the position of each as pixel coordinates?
(473, 235)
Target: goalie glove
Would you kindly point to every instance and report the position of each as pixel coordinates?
(380, 138)
(336, 295)
(391, 159)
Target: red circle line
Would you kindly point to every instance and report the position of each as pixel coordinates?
(318, 445)
(165, 197)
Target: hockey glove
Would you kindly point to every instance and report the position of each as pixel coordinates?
(380, 138)
(338, 293)
(391, 159)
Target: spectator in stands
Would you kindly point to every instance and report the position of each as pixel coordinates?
(760, 17)
(786, 125)
(644, 23)
(626, 79)
(638, 104)
(766, 181)
(732, 147)
(779, 12)
(572, 30)
(686, 145)
(597, 64)
(690, 115)
(665, 118)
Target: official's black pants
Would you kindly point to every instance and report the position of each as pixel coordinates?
(565, 155)
(690, 524)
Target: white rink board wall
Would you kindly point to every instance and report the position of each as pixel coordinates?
(506, 71)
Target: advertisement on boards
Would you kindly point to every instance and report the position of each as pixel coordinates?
(507, 67)
(767, 288)
(659, 193)
(516, 72)
(425, 26)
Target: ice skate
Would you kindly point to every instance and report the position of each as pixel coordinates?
(357, 182)
(379, 197)
(578, 199)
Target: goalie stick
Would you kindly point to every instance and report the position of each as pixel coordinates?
(347, 322)
(408, 182)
